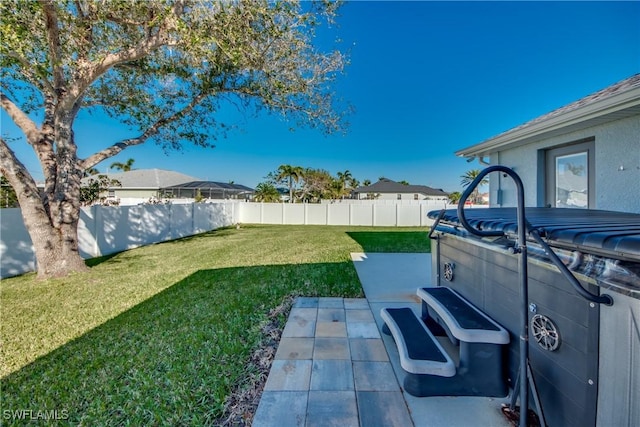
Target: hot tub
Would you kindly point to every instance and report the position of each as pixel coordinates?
(583, 355)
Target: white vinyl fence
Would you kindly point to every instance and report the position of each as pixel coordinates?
(104, 230)
(352, 212)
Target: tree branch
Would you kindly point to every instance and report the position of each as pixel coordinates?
(40, 139)
(79, 10)
(150, 132)
(16, 173)
(144, 47)
(86, 25)
(23, 121)
(35, 78)
(124, 21)
(53, 38)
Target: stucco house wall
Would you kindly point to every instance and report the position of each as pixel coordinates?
(600, 133)
(145, 193)
(617, 167)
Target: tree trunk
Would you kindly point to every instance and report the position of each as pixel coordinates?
(64, 208)
(56, 249)
(290, 189)
(51, 218)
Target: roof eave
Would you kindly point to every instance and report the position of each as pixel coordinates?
(628, 101)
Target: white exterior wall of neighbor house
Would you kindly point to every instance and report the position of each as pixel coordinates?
(617, 144)
(140, 193)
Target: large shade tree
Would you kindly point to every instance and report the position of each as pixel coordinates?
(316, 185)
(162, 68)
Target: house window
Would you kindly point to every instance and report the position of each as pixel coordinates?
(112, 193)
(399, 196)
(570, 176)
(416, 197)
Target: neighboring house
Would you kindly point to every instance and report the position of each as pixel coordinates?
(208, 190)
(153, 185)
(585, 154)
(142, 184)
(386, 189)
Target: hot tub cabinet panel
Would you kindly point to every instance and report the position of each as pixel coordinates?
(619, 387)
(488, 277)
(586, 366)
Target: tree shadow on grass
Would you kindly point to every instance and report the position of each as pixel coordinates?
(392, 241)
(220, 232)
(174, 358)
(92, 262)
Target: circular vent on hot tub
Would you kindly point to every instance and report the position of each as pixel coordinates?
(545, 332)
(448, 271)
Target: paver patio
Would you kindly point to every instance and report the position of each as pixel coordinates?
(333, 366)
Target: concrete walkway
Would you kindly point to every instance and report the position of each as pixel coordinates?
(334, 367)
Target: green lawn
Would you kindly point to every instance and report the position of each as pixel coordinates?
(162, 334)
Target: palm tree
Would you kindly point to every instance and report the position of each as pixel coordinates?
(266, 192)
(343, 178)
(366, 182)
(454, 197)
(354, 183)
(335, 189)
(125, 167)
(290, 173)
(91, 171)
(468, 178)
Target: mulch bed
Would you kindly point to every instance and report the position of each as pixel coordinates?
(243, 402)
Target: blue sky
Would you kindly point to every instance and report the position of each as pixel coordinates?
(426, 79)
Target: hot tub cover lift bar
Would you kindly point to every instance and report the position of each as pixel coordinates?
(521, 248)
